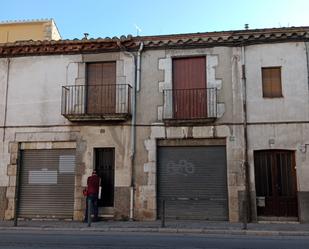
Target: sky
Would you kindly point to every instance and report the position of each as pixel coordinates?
(103, 18)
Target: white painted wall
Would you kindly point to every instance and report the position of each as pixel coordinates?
(291, 57)
(293, 106)
(293, 137)
(34, 94)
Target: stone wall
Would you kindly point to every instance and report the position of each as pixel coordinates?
(13, 169)
(146, 206)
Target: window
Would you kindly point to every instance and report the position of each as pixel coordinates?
(189, 88)
(101, 91)
(271, 82)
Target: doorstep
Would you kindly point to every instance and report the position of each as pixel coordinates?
(277, 220)
(106, 213)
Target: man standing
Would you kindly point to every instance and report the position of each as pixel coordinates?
(93, 185)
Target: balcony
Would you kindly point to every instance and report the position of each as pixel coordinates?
(96, 102)
(190, 105)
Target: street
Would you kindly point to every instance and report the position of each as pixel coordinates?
(87, 239)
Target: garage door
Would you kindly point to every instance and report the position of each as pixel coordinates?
(193, 182)
(47, 184)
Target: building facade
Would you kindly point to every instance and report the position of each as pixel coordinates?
(36, 30)
(210, 125)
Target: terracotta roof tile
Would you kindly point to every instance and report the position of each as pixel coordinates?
(227, 38)
(107, 44)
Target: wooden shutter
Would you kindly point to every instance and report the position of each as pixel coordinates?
(271, 80)
(189, 88)
(101, 81)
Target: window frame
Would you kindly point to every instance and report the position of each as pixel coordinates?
(98, 87)
(192, 110)
(271, 94)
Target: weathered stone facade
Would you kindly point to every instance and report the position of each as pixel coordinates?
(31, 79)
(147, 192)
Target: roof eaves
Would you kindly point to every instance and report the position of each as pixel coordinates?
(30, 48)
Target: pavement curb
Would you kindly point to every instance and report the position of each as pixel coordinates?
(163, 230)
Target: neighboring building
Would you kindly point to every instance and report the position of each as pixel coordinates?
(36, 30)
(203, 121)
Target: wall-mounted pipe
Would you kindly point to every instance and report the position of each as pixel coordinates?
(135, 88)
(138, 79)
(17, 187)
(245, 125)
(307, 62)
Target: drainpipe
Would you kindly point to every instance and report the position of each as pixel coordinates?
(307, 58)
(138, 79)
(246, 163)
(136, 88)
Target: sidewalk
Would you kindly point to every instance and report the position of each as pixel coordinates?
(198, 227)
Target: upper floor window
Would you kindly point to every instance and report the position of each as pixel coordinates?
(189, 87)
(271, 82)
(101, 87)
(101, 98)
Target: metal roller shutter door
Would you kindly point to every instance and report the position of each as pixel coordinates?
(47, 183)
(193, 181)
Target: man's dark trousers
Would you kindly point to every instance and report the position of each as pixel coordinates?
(94, 204)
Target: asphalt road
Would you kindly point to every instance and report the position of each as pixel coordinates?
(95, 240)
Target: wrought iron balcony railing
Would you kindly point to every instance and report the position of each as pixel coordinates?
(96, 102)
(190, 104)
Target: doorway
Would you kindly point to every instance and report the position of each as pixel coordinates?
(275, 182)
(105, 167)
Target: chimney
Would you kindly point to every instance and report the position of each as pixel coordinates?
(86, 36)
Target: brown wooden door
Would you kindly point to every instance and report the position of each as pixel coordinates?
(275, 179)
(101, 88)
(189, 88)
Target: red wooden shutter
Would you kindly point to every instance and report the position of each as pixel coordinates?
(189, 88)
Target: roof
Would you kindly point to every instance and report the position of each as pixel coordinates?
(229, 38)
(130, 43)
(28, 48)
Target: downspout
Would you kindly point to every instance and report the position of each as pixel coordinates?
(138, 79)
(307, 57)
(245, 124)
(136, 88)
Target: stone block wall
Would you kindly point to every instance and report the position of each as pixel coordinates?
(146, 203)
(12, 171)
(11, 188)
